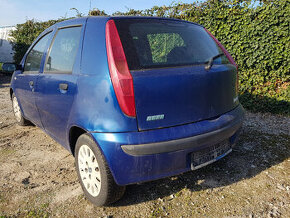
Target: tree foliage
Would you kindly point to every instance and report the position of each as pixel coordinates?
(97, 12)
(25, 34)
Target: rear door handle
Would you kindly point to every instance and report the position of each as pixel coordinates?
(63, 86)
(31, 83)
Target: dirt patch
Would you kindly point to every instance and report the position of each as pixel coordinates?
(38, 178)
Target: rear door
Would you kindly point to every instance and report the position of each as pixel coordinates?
(25, 82)
(167, 62)
(56, 86)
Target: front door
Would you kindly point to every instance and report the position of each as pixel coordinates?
(25, 82)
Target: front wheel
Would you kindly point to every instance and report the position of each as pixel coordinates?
(94, 174)
(17, 112)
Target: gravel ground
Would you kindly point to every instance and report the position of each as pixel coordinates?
(38, 178)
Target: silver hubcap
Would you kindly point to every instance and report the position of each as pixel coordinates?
(89, 170)
(16, 109)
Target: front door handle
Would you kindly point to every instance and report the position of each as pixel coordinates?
(63, 86)
(31, 83)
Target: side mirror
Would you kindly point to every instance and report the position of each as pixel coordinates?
(11, 67)
(19, 67)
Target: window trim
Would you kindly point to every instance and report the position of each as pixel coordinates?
(50, 46)
(35, 72)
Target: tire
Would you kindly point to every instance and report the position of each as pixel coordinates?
(21, 121)
(94, 174)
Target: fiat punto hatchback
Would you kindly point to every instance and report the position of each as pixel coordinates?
(133, 99)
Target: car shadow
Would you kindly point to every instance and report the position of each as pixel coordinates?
(254, 153)
(4, 80)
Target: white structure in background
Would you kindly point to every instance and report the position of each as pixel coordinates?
(6, 52)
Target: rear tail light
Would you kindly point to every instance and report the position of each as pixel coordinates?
(228, 55)
(119, 71)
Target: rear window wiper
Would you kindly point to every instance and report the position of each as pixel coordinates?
(210, 61)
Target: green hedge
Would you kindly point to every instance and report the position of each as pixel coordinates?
(257, 37)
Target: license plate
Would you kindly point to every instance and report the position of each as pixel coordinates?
(210, 154)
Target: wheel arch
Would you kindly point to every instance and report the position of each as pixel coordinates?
(11, 93)
(74, 133)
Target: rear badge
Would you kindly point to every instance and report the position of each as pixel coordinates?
(155, 117)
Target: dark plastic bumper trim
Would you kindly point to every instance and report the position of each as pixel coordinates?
(208, 138)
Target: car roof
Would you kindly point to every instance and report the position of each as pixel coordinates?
(80, 20)
(77, 20)
(140, 17)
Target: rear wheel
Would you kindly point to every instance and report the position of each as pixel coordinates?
(94, 174)
(17, 112)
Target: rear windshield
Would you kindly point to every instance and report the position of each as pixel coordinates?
(152, 43)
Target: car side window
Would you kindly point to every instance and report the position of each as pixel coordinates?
(33, 59)
(63, 51)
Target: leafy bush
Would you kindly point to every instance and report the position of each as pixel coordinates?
(257, 37)
(25, 34)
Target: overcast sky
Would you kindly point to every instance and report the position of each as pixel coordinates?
(13, 12)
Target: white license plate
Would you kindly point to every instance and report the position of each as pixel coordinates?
(209, 155)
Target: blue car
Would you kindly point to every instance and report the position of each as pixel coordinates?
(134, 99)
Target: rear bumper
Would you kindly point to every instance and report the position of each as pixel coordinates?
(142, 156)
(185, 143)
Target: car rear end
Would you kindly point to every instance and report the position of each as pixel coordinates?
(181, 86)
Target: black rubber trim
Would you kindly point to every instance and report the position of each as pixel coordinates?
(208, 138)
